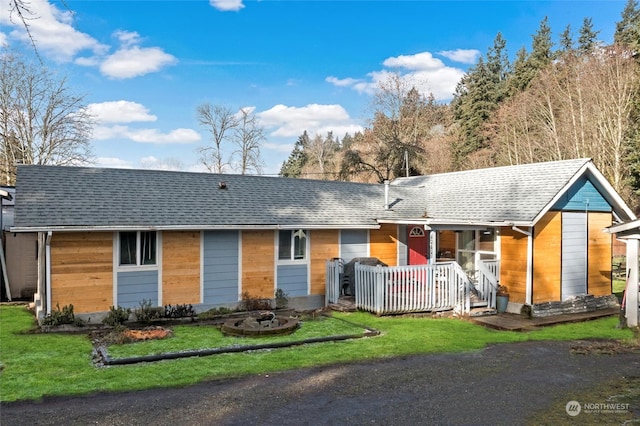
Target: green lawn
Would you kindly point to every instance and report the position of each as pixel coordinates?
(35, 365)
(189, 337)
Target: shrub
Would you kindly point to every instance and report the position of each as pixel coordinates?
(117, 316)
(252, 303)
(179, 311)
(61, 316)
(281, 299)
(147, 313)
(214, 313)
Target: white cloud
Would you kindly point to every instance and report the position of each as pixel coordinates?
(464, 56)
(422, 70)
(419, 61)
(53, 32)
(119, 112)
(154, 163)
(113, 162)
(315, 119)
(285, 148)
(344, 82)
(131, 60)
(4, 41)
(51, 28)
(152, 136)
(227, 5)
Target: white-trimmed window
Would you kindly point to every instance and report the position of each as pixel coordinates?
(292, 245)
(138, 248)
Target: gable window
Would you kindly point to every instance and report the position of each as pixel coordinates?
(138, 248)
(292, 245)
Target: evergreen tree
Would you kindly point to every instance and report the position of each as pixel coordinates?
(628, 29)
(566, 40)
(627, 34)
(541, 48)
(297, 159)
(473, 107)
(519, 78)
(587, 41)
(498, 65)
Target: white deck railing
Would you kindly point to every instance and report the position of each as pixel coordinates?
(334, 278)
(419, 288)
(487, 285)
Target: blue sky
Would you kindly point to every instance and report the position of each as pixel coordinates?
(145, 66)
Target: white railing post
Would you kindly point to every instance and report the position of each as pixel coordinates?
(379, 290)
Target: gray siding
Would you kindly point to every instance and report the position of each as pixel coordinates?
(220, 267)
(574, 254)
(402, 245)
(292, 279)
(136, 286)
(353, 243)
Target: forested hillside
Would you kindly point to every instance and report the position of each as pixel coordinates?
(572, 98)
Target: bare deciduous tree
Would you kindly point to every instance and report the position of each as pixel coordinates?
(220, 122)
(578, 107)
(400, 126)
(248, 135)
(41, 120)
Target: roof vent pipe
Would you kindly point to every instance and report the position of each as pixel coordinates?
(386, 194)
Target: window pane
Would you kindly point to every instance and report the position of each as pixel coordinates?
(487, 239)
(467, 240)
(299, 244)
(127, 248)
(148, 248)
(284, 248)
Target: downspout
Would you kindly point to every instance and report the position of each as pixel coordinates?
(528, 298)
(47, 266)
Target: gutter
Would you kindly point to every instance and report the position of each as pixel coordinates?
(20, 229)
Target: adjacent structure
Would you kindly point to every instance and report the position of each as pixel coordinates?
(116, 237)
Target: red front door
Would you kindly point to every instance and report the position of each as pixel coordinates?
(418, 243)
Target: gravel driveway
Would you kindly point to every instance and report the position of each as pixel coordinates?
(502, 384)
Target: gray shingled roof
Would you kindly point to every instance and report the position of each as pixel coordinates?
(512, 193)
(51, 196)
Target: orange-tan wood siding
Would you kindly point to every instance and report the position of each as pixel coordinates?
(447, 244)
(258, 254)
(82, 271)
(180, 267)
(599, 254)
(324, 246)
(384, 243)
(547, 254)
(513, 264)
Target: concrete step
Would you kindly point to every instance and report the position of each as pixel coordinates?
(479, 312)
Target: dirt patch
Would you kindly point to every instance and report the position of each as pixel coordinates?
(149, 333)
(604, 347)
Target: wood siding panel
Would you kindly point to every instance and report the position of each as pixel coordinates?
(384, 243)
(324, 246)
(82, 271)
(547, 248)
(258, 257)
(513, 264)
(447, 244)
(599, 255)
(180, 267)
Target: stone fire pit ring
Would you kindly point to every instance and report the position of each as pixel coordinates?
(260, 324)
